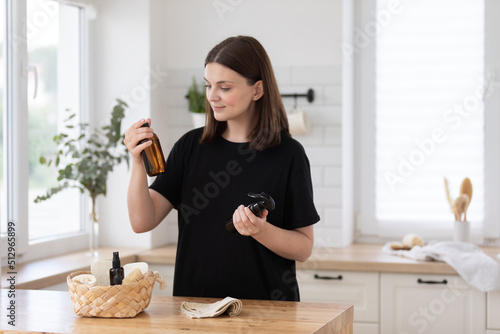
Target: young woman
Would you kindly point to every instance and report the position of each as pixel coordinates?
(244, 147)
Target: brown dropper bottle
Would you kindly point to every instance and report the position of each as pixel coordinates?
(152, 156)
(116, 273)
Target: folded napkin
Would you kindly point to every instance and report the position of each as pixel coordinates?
(470, 262)
(228, 305)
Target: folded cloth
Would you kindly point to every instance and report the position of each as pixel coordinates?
(470, 262)
(228, 305)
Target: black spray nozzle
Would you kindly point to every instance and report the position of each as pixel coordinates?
(264, 202)
(116, 260)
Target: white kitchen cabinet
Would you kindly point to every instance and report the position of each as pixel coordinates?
(365, 328)
(412, 303)
(345, 287)
(493, 310)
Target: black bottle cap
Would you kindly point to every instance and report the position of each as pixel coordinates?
(145, 125)
(116, 260)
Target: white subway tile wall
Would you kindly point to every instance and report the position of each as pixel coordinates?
(323, 143)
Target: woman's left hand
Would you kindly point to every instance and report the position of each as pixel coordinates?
(248, 224)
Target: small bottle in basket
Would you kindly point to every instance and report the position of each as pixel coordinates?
(152, 156)
(116, 272)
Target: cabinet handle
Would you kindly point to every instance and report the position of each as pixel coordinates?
(421, 281)
(339, 277)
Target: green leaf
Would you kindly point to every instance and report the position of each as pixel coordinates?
(70, 117)
(92, 153)
(121, 102)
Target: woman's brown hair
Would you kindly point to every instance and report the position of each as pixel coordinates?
(246, 56)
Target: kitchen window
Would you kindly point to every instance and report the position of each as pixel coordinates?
(43, 53)
(427, 108)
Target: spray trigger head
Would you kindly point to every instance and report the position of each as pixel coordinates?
(265, 201)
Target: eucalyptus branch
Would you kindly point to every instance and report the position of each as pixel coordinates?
(85, 160)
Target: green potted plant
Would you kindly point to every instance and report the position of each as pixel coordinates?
(197, 99)
(85, 160)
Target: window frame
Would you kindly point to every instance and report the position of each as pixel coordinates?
(491, 229)
(367, 227)
(17, 141)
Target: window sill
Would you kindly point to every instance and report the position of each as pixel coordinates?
(43, 273)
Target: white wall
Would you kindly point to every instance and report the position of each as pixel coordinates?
(120, 62)
(172, 38)
(294, 32)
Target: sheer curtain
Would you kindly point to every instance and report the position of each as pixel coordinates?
(421, 114)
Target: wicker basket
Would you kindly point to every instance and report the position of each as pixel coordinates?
(114, 301)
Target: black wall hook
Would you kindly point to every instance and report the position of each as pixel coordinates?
(309, 95)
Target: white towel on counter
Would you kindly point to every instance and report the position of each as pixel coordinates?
(229, 305)
(470, 262)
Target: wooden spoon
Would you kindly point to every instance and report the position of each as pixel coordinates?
(460, 206)
(466, 188)
(448, 197)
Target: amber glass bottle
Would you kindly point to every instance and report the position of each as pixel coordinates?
(116, 273)
(152, 156)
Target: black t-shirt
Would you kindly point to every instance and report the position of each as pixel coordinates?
(206, 183)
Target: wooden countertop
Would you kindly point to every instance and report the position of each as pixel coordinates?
(356, 257)
(39, 311)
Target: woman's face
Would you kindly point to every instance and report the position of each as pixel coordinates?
(229, 94)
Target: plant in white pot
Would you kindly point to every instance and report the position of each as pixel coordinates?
(197, 100)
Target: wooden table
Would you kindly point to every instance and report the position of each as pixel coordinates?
(40, 311)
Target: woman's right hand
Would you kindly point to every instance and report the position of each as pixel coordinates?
(134, 135)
